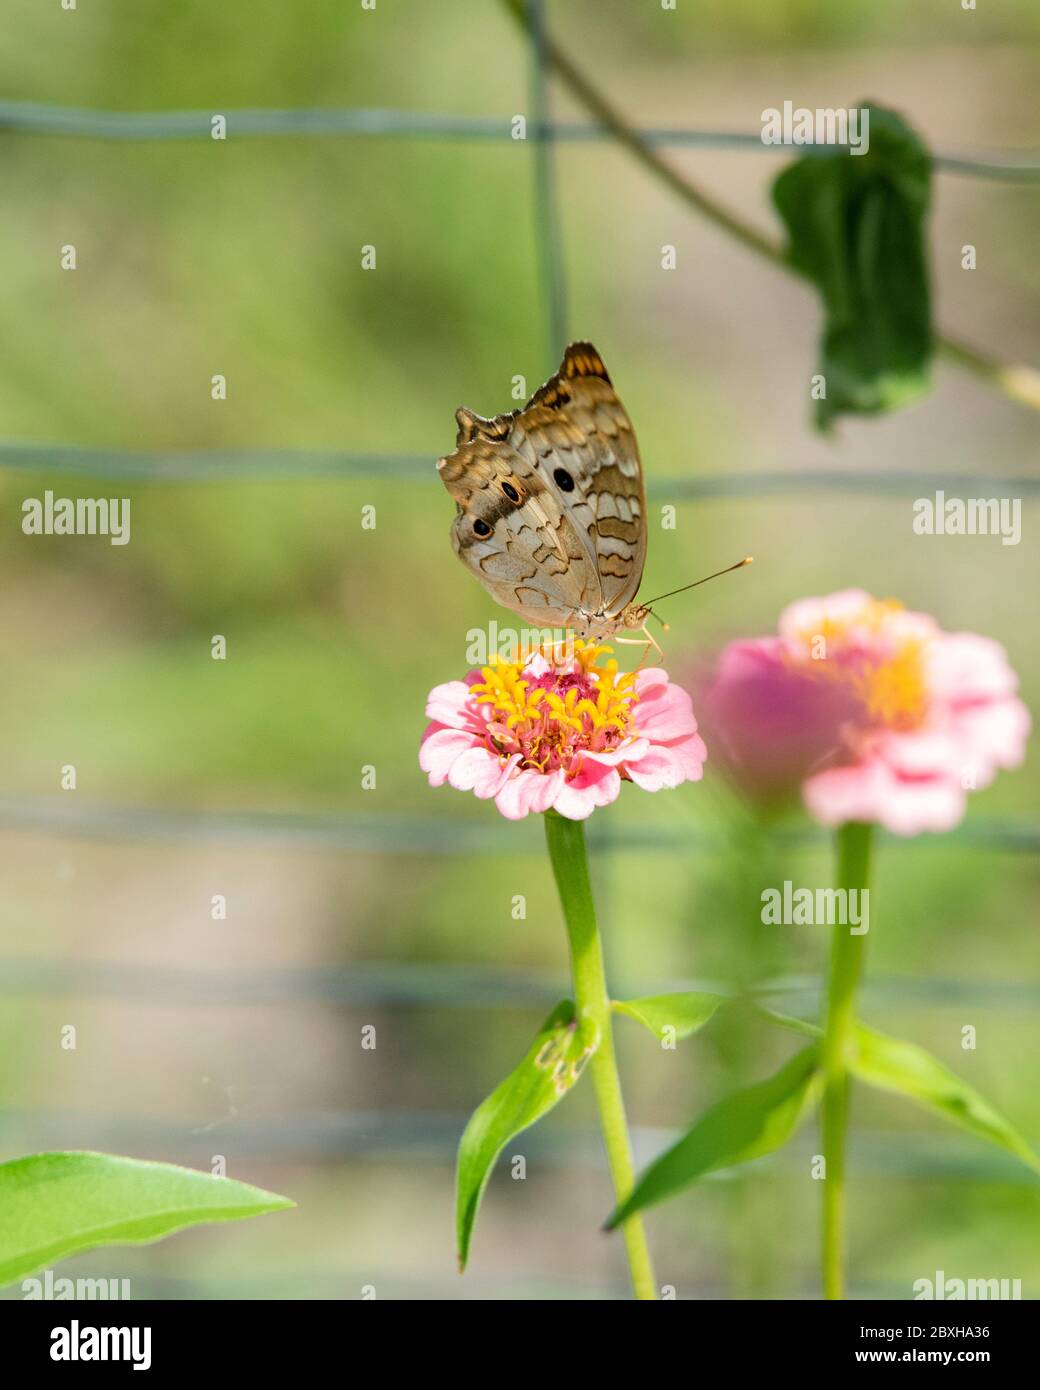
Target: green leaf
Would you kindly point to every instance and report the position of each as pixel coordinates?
(856, 228)
(788, 1021)
(553, 1064)
(743, 1126)
(55, 1204)
(684, 1013)
(893, 1065)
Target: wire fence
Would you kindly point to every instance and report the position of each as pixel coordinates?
(258, 465)
(333, 1137)
(32, 118)
(459, 837)
(394, 984)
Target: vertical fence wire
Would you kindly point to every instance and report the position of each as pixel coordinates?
(549, 246)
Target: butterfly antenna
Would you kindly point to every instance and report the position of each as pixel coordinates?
(747, 560)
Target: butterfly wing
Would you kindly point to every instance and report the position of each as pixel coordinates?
(551, 510)
(577, 431)
(510, 530)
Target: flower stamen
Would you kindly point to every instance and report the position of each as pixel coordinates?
(552, 717)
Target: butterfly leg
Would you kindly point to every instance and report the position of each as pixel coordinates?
(653, 640)
(636, 642)
(647, 640)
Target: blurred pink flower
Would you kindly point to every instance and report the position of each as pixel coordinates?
(876, 712)
(564, 733)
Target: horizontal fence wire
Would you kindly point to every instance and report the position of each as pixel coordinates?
(213, 465)
(367, 833)
(33, 118)
(244, 465)
(338, 1135)
(397, 984)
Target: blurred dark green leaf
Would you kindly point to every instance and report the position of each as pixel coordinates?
(553, 1064)
(745, 1125)
(684, 1013)
(894, 1065)
(53, 1205)
(856, 229)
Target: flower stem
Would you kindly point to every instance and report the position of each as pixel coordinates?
(846, 967)
(566, 840)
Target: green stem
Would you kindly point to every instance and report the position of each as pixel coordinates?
(594, 101)
(1017, 381)
(566, 840)
(846, 969)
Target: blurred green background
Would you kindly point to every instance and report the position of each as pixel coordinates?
(392, 906)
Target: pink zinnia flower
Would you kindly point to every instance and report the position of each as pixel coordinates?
(560, 732)
(878, 713)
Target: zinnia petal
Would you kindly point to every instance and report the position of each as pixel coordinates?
(881, 715)
(452, 704)
(527, 791)
(440, 749)
(595, 785)
(560, 731)
(480, 771)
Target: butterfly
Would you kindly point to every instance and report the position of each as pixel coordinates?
(550, 504)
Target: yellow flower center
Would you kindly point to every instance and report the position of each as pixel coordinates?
(576, 706)
(887, 673)
(895, 692)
